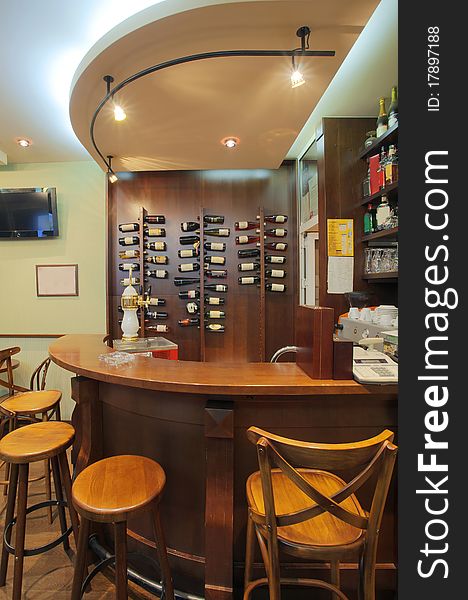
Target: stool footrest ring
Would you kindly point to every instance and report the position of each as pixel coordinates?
(35, 551)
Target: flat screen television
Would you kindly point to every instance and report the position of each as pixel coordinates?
(27, 213)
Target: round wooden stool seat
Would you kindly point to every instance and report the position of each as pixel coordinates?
(110, 489)
(38, 441)
(33, 402)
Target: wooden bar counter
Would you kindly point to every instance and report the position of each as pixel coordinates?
(192, 417)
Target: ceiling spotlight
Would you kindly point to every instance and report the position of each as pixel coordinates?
(111, 176)
(119, 113)
(23, 142)
(230, 142)
(297, 78)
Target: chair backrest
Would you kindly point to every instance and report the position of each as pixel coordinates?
(375, 456)
(39, 375)
(6, 364)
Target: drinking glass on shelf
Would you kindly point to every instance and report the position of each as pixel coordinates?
(376, 262)
(368, 260)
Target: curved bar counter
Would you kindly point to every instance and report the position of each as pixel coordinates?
(191, 417)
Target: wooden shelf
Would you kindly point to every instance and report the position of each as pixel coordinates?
(390, 190)
(390, 136)
(381, 276)
(378, 235)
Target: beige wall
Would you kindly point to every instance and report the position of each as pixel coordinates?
(81, 209)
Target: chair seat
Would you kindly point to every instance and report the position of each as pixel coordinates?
(324, 530)
(36, 442)
(112, 488)
(29, 403)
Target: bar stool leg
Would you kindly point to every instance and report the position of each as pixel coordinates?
(67, 485)
(335, 576)
(249, 552)
(59, 496)
(120, 545)
(47, 480)
(20, 531)
(80, 561)
(162, 554)
(9, 513)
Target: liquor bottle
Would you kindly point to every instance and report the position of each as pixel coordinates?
(393, 108)
(158, 328)
(278, 260)
(188, 240)
(218, 219)
(241, 225)
(219, 231)
(216, 273)
(128, 266)
(382, 213)
(382, 166)
(157, 302)
(366, 191)
(188, 253)
(214, 300)
(126, 227)
(216, 327)
(193, 308)
(190, 226)
(130, 240)
(216, 287)
(249, 280)
(155, 219)
(382, 120)
(158, 246)
(369, 220)
(247, 239)
(278, 232)
(192, 322)
(155, 232)
(155, 315)
(129, 254)
(275, 218)
(186, 294)
(157, 274)
(275, 287)
(215, 246)
(215, 314)
(183, 268)
(215, 260)
(126, 281)
(252, 266)
(159, 259)
(248, 252)
(391, 166)
(185, 281)
(278, 246)
(280, 273)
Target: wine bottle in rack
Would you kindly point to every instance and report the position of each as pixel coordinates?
(241, 225)
(159, 259)
(155, 219)
(215, 246)
(128, 266)
(188, 240)
(193, 308)
(129, 254)
(185, 281)
(156, 301)
(219, 232)
(155, 315)
(248, 253)
(278, 260)
(129, 240)
(186, 294)
(185, 267)
(275, 287)
(274, 218)
(215, 314)
(216, 287)
(126, 281)
(191, 322)
(155, 232)
(214, 300)
(216, 273)
(278, 246)
(278, 273)
(190, 226)
(188, 253)
(128, 227)
(157, 273)
(247, 239)
(215, 327)
(278, 232)
(215, 260)
(158, 328)
(213, 219)
(249, 280)
(157, 246)
(252, 266)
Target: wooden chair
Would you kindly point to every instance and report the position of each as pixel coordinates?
(5, 363)
(309, 512)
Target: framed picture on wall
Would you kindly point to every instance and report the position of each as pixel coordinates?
(57, 280)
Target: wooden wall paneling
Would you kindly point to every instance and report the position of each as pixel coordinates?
(261, 320)
(141, 220)
(202, 284)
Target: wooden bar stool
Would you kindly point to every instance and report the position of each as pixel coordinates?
(109, 491)
(20, 448)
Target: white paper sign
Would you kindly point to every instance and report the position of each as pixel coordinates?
(340, 274)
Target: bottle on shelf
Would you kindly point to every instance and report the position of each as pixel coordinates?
(190, 226)
(186, 294)
(216, 287)
(252, 266)
(185, 281)
(128, 227)
(382, 119)
(272, 259)
(214, 219)
(274, 218)
(279, 273)
(129, 254)
(278, 246)
(155, 232)
(156, 301)
(242, 225)
(158, 328)
(383, 213)
(218, 232)
(126, 281)
(366, 189)
(214, 300)
(155, 219)
(157, 246)
(158, 259)
(249, 280)
(215, 246)
(191, 322)
(247, 239)
(369, 220)
(278, 232)
(382, 166)
(155, 315)
(216, 273)
(188, 253)
(193, 308)
(188, 240)
(129, 240)
(215, 314)
(391, 166)
(215, 260)
(186, 267)
(157, 273)
(215, 327)
(275, 287)
(128, 266)
(393, 108)
(248, 252)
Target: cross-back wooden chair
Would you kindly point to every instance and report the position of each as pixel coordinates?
(5, 363)
(310, 512)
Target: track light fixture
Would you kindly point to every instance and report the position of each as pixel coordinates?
(119, 113)
(111, 176)
(297, 78)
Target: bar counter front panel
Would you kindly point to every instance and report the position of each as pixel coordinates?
(192, 418)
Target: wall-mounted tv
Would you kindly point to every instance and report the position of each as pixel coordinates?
(27, 213)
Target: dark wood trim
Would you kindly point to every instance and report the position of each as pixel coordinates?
(384, 233)
(202, 283)
(262, 316)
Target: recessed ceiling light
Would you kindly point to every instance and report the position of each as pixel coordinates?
(230, 142)
(23, 142)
